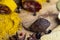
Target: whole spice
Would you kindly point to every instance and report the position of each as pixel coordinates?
(4, 9)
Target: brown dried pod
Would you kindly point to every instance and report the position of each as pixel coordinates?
(4, 9)
(40, 25)
(31, 6)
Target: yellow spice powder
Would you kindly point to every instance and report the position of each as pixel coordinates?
(9, 25)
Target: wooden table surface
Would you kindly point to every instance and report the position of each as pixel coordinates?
(45, 7)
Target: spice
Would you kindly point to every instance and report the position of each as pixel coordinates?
(6, 25)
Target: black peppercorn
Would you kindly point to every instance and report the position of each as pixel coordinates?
(38, 35)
